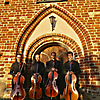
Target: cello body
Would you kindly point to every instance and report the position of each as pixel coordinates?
(70, 92)
(52, 89)
(35, 91)
(18, 93)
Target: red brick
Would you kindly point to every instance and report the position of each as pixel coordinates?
(2, 76)
(9, 78)
(1, 64)
(77, 8)
(1, 69)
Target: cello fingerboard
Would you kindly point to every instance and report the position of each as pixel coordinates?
(70, 80)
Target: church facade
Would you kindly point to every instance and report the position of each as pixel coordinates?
(25, 28)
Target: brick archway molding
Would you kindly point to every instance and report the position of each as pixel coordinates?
(76, 25)
(46, 40)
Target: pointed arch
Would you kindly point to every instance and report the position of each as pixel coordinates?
(39, 44)
(76, 25)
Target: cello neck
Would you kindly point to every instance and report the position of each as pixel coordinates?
(70, 78)
(37, 72)
(70, 64)
(18, 83)
(21, 67)
(52, 76)
(53, 67)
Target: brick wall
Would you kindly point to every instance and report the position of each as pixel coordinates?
(18, 16)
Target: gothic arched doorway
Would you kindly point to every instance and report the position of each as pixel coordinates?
(46, 50)
(60, 54)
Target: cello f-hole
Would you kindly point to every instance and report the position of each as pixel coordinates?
(35, 91)
(51, 89)
(72, 93)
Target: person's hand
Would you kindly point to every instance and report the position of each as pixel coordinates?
(34, 75)
(18, 73)
(53, 69)
(37, 73)
(67, 73)
(70, 72)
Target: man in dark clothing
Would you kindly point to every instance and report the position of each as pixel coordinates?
(37, 68)
(53, 65)
(17, 68)
(72, 67)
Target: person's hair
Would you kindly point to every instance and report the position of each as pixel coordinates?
(53, 52)
(69, 53)
(18, 54)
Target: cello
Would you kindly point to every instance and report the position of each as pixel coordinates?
(70, 92)
(35, 91)
(51, 89)
(18, 93)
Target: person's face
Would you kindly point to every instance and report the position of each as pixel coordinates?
(53, 56)
(18, 58)
(70, 57)
(37, 57)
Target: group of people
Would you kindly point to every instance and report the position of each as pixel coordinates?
(53, 65)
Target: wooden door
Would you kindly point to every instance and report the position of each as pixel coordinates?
(60, 54)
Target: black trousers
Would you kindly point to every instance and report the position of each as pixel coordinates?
(77, 87)
(12, 84)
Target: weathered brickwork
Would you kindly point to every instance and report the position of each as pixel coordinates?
(19, 19)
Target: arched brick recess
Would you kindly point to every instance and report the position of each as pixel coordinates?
(69, 18)
(55, 38)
